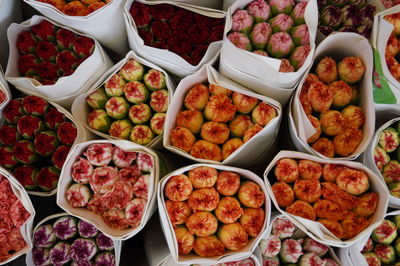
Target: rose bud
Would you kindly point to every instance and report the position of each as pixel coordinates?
(215, 132)
(281, 23)
(83, 46)
(332, 123)
(219, 90)
(9, 135)
(162, 12)
(67, 61)
(136, 92)
(219, 109)
(283, 193)
(251, 132)
(286, 66)
(191, 119)
(230, 146)
(298, 13)
(331, 16)
(132, 70)
(198, 33)
(47, 178)
(185, 240)
(59, 156)
(97, 99)
(203, 149)
(67, 133)
(317, 126)
(280, 45)
(250, 195)
(300, 35)
(354, 116)
(342, 93)
(140, 14)
(260, 35)
(351, 69)
(28, 126)
(233, 236)
(281, 6)
(208, 246)
(240, 40)
(347, 142)
(260, 52)
(49, 72)
(242, 21)
(325, 147)
(287, 170)
(159, 101)
(78, 195)
(309, 170)
(354, 182)
(64, 39)
(216, 33)
(140, 113)
(26, 43)
(117, 107)
(320, 96)
(178, 188)
(13, 111)
(259, 10)
(228, 183)
(197, 97)
(146, 37)
(7, 157)
(178, 211)
(228, 210)
(44, 31)
(350, 16)
(365, 30)
(205, 199)
(24, 152)
(154, 80)
(141, 134)
(99, 120)
(182, 138)
(35, 105)
(325, 30)
(302, 209)
(121, 129)
(239, 125)
(243, 103)
(26, 175)
(263, 113)
(46, 51)
(203, 177)
(326, 70)
(299, 56)
(252, 221)
(27, 64)
(46, 143)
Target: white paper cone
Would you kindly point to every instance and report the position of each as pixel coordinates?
(66, 88)
(105, 24)
(5, 88)
(249, 151)
(85, 214)
(26, 228)
(315, 229)
(337, 46)
(167, 60)
(169, 230)
(29, 258)
(80, 109)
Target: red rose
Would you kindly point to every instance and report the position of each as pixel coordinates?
(9, 135)
(67, 60)
(27, 63)
(48, 82)
(26, 175)
(35, 105)
(45, 143)
(26, 43)
(53, 118)
(216, 34)
(45, 31)
(83, 46)
(47, 71)
(140, 14)
(24, 152)
(13, 111)
(67, 133)
(146, 36)
(208, 22)
(65, 38)
(161, 12)
(198, 34)
(188, 59)
(60, 155)
(28, 126)
(159, 45)
(198, 54)
(180, 44)
(160, 30)
(181, 20)
(7, 158)
(46, 50)
(47, 178)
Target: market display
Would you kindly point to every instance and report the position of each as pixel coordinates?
(215, 121)
(48, 52)
(387, 158)
(335, 195)
(213, 211)
(288, 244)
(181, 31)
(112, 183)
(77, 7)
(131, 104)
(35, 141)
(13, 216)
(346, 16)
(276, 29)
(330, 99)
(71, 240)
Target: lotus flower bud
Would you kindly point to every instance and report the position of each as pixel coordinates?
(242, 21)
(260, 35)
(280, 45)
(331, 16)
(240, 40)
(260, 10)
(281, 22)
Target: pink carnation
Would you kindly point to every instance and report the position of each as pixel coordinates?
(240, 40)
(242, 21)
(259, 9)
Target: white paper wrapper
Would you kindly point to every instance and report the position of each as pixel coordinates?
(167, 60)
(298, 232)
(316, 230)
(337, 46)
(5, 88)
(265, 68)
(355, 251)
(248, 152)
(97, 220)
(105, 24)
(29, 259)
(26, 228)
(80, 109)
(66, 88)
(214, 4)
(370, 163)
(169, 230)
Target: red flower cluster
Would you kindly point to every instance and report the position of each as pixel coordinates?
(178, 30)
(35, 142)
(48, 52)
(77, 8)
